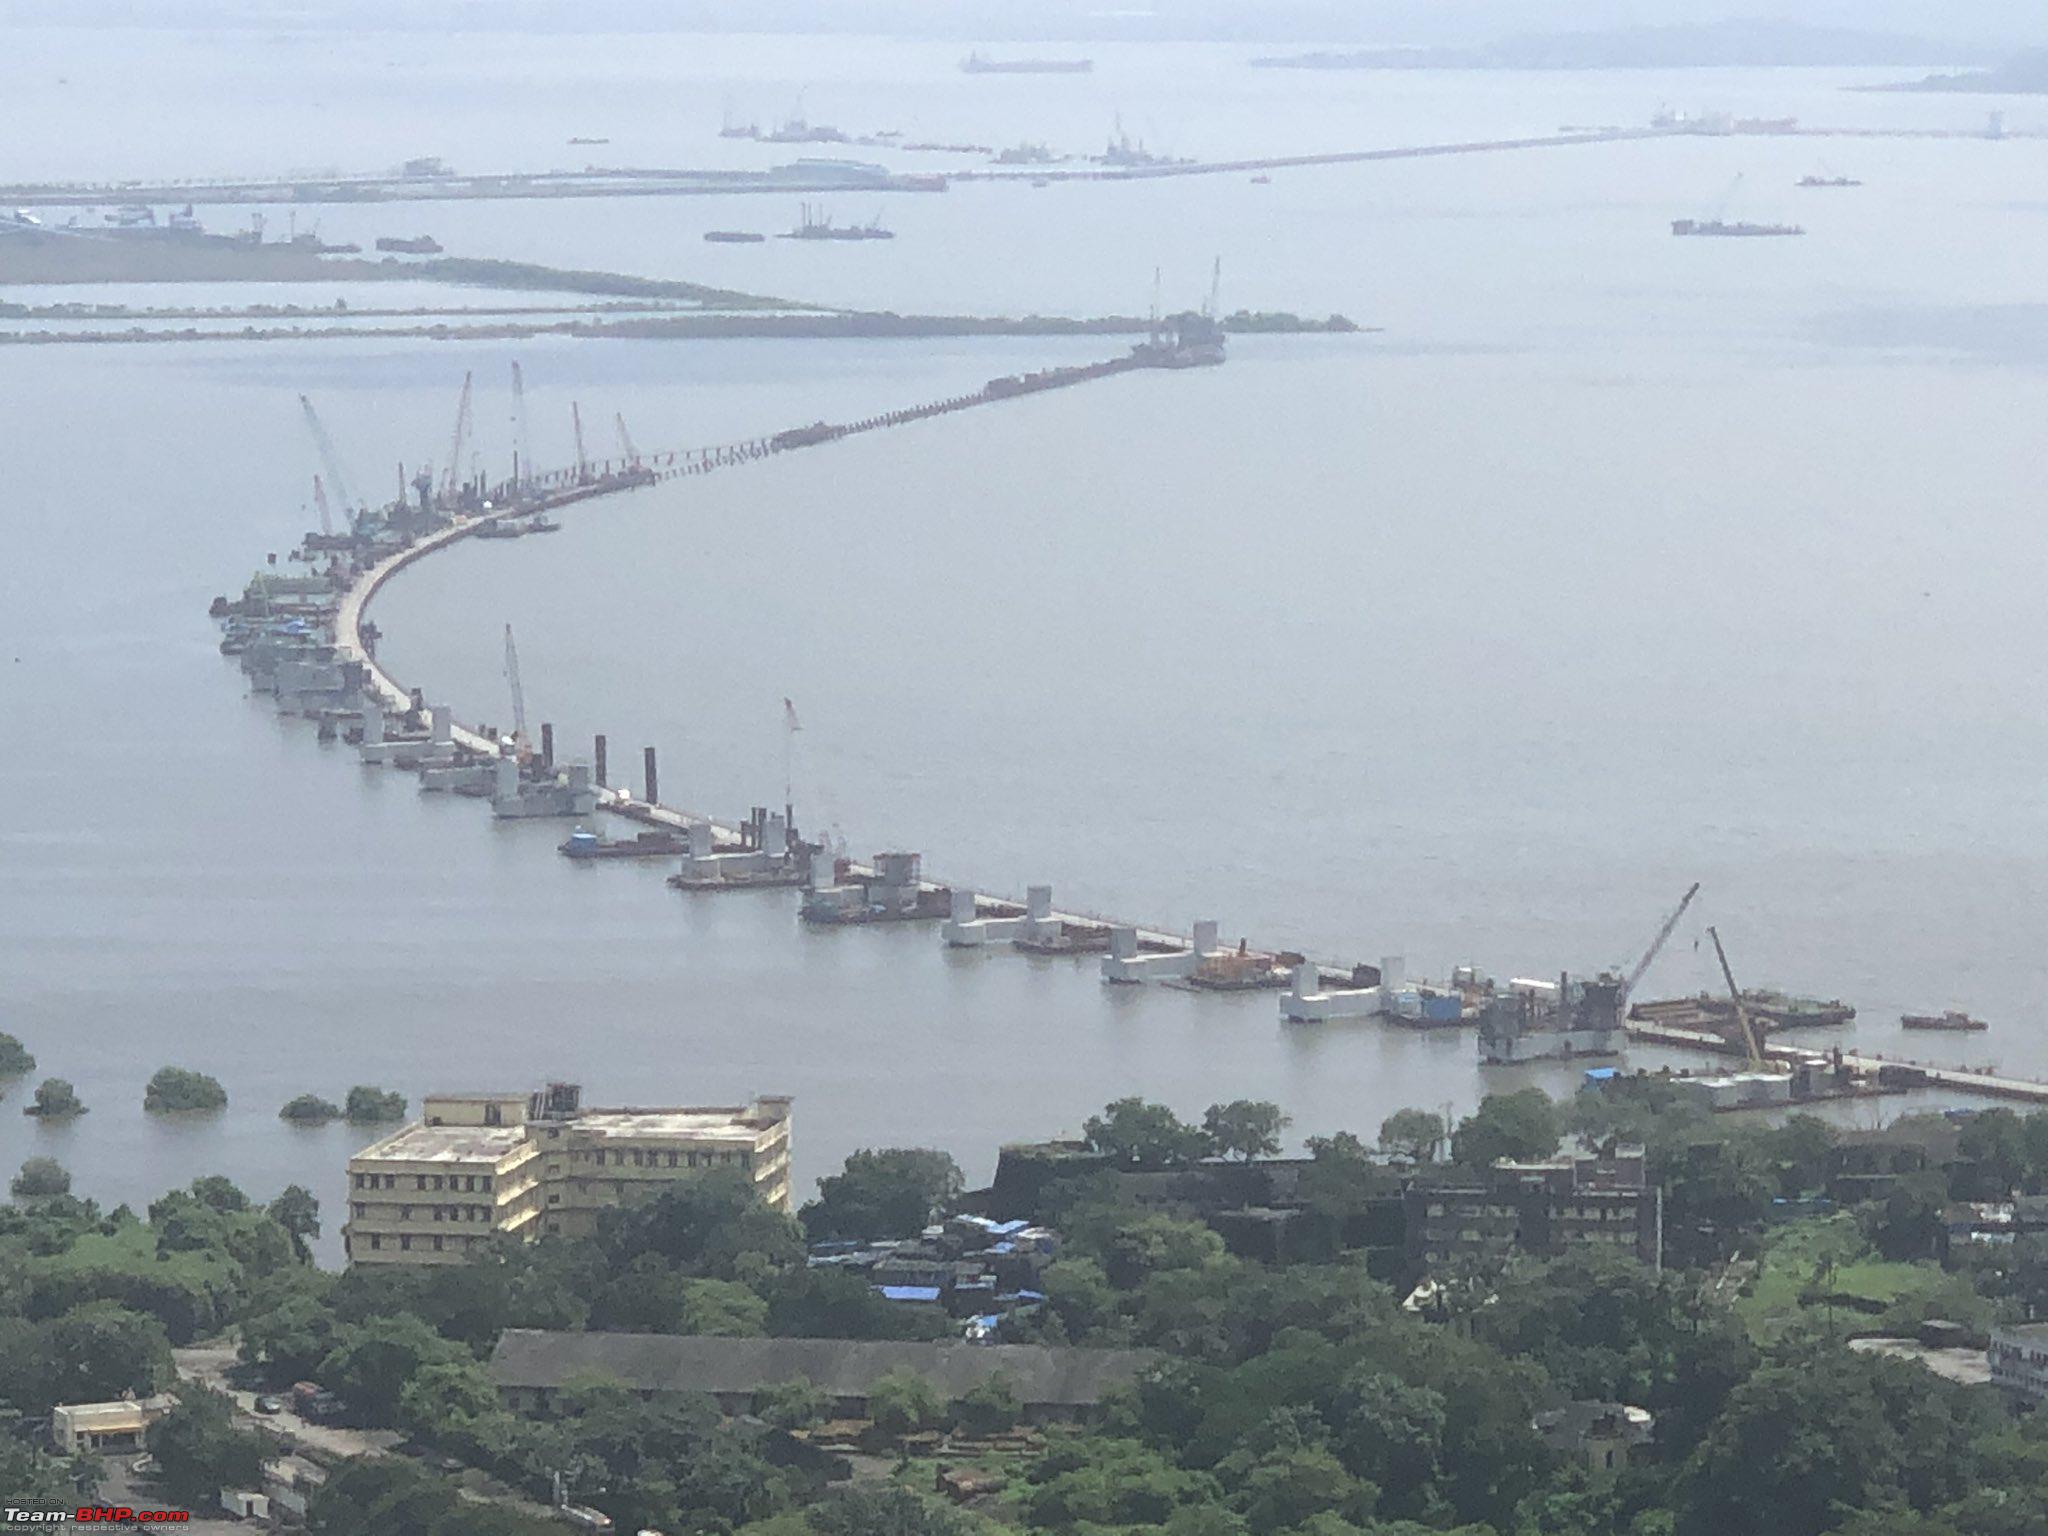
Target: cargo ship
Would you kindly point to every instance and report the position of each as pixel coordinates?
(1721, 227)
(817, 225)
(981, 64)
(1953, 1020)
(410, 245)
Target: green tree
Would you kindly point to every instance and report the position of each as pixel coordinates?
(310, 1109)
(1341, 1181)
(199, 1451)
(1412, 1135)
(218, 1193)
(445, 1397)
(372, 1361)
(1141, 1135)
(903, 1403)
(713, 1226)
(373, 1106)
(298, 1211)
(1079, 1294)
(1244, 1128)
(55, 1099)
(989, 1408)
(1516, 1126)
(178, 1090)
(893, 1192)
(884, 1509)
(41, 1178)
(15, 1058)
(1996, 1141)
(794, 1404)
(287, 1328)
(1152, 1244)
(1392, 1435)
(99, 1351)
(1906, 1224)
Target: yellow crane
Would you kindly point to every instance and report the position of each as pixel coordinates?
(1750, 1036)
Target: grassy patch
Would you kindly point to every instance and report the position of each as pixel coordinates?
(1814, 1264)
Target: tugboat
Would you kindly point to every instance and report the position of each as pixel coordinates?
(1953, 1019)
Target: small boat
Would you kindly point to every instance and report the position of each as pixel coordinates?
(1953, 1019)
(580, 140)
(1262, 180)
(734, 236)
(1828, 181)
(542, 523)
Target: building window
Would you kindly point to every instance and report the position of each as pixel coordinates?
(405, 1213)
(437, 1244)
(554, 1200)
(391, 1181)
(671, 1159)
(419, 1181)
(487, 1183)
(356, 1210)
(405, 1244)
(376, 1242)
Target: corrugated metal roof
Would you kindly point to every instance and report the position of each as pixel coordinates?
(1041, 1375)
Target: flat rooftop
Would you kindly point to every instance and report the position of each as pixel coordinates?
(736, 1123)
(423, 1143)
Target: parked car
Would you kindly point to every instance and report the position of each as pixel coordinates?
(267, 1404)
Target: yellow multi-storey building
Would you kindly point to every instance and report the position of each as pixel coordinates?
(476, 1165)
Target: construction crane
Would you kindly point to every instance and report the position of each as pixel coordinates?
(320, 501)
(520, 749)
(1657, 944)
(329, 458)
(451, 474)
(1751, 1039)
(626, 442)
(522, 460)
(582, 458)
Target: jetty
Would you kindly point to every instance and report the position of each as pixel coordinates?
(308, 640)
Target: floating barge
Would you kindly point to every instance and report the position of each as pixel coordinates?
(586, 844)
(1952, 1021)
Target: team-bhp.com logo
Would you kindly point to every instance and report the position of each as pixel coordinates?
(94, 1514)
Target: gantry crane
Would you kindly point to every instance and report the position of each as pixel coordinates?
(1751, 1037)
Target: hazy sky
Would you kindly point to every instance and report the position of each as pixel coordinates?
(1986, 21)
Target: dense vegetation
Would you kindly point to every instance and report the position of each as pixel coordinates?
(15, 1058)
(310, 1109)
(374, 1106)
(1292, 1400)
(55, 1099)
(177, 1090)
